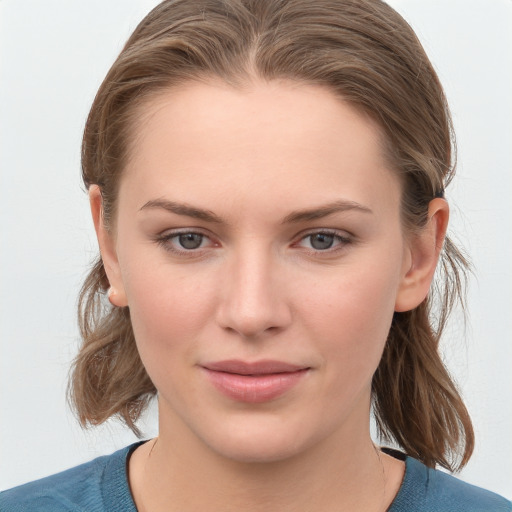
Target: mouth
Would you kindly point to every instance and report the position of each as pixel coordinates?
(254, 382)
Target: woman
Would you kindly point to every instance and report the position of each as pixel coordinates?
(266, 181)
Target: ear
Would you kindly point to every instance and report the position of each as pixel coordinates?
(424, 250)
(106, 241)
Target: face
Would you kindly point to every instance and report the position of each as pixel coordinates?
(259, 247)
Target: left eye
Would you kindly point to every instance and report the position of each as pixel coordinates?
(322, 241)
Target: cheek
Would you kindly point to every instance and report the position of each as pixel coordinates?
(350, 317)
(169, 308)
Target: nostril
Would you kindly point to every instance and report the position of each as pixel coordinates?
(253, 326)
(250, 302)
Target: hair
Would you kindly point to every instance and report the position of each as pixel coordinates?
(365, 53)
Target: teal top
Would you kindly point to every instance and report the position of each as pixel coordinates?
(102, 486)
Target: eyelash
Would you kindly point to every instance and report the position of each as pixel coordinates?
(343, 240)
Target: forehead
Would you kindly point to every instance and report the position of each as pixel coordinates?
(279, 138)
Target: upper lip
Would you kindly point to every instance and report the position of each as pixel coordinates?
(252, 368)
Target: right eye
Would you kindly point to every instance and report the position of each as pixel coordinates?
(189, 240)
(184, 242)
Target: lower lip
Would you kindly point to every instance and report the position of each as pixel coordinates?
(254, 388)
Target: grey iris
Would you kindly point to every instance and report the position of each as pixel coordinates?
(190, 240)
(321, 241)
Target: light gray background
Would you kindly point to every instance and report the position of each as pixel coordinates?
(54, 55)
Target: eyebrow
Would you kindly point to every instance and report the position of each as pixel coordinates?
(184, 209)
(308, 214)
(320, 212)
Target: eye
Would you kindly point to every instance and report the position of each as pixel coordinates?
(324, 241)
(189, 240)
(321, 241)
(185, 243)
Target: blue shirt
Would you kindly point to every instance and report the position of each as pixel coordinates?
(102, 486)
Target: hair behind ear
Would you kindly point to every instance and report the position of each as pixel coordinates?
(416, 402)
(108, 377)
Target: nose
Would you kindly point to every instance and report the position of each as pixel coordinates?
(253, 296)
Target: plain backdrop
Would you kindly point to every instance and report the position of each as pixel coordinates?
(54, 55)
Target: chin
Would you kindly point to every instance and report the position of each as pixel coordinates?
(257, 443)
(257, 453)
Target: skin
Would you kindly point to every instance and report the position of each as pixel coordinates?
(259, 288)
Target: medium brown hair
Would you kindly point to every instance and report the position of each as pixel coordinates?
(364, 52)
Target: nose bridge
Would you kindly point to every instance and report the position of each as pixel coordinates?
(252, 301)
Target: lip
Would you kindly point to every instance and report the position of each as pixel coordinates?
(254, 382)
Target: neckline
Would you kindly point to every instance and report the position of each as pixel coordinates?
(120, 498)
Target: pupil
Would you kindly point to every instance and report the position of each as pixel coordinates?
(190, 240)
(322, 241)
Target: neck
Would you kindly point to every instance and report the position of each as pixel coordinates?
(344, 472)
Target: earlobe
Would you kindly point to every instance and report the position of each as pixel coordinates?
(115, 298)
(106, 242)
(424, 249)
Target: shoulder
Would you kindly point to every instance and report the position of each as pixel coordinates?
(431, 490)
(95, 486)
